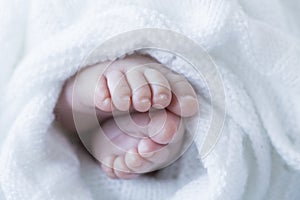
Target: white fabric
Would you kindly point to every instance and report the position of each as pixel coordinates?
(255, 46)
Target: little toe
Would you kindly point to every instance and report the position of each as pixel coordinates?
(141, 93)
(121, 170)
(102, 96)
(119, 90)
(161, 91)
(184, 102)
(107, 166)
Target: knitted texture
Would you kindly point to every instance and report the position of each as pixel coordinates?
(255, 47)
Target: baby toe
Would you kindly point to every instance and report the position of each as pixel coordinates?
(153, 152)
(147, 147)
(141, 93)
(121, 170)
(160, 157)
(161, 92)
(102, 96)
(184, 102)
(136, 162)
(185, 106)
(120, 91)
(107, 166)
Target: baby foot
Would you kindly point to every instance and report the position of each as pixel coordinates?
(126, 149)
(133, 84)
(136, 82)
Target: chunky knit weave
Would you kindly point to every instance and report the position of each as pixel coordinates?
(255, 46)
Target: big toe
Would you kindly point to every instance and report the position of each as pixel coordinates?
(155, 153)
(164, 126)
(184, 102)
(185, 106)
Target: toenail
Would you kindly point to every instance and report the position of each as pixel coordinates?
(163, 97)
(148, 155)
(190, 100)
(132, 157)
(137, 163)
(144, 105)
(107, 102)
(147, 103)
(143, 151)
(161, 101)
(126, 99)
(189, 97)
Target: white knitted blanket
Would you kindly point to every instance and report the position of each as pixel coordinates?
(255, 45)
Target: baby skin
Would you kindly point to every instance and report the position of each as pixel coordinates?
(139, 106)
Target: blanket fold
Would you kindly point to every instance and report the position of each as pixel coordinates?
(257, 155)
